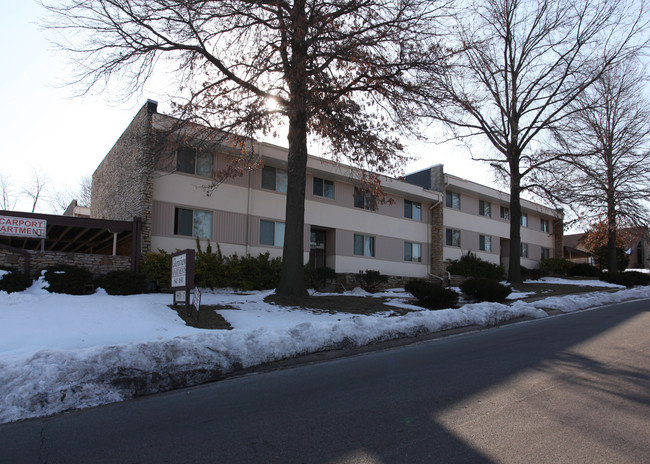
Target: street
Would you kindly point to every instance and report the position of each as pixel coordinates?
(567, 389)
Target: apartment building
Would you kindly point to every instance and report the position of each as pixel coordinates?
(160, 179)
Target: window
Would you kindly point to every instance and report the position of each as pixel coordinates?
(523, 250)
(364, 245)
(412, 210)
(524, 219)
(484, 208)
(453, 237)
(193, 223)
(412, 252)
(191, 162)
(274, 179)
(271, 233)
(323, 188)
(546, 253)
(485, 243)
(364, 199)
(452, 200)
(545, 225)
(505, 212)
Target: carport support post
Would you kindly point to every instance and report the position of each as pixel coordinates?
(114, 243)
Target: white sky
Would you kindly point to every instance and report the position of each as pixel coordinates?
(44, 127)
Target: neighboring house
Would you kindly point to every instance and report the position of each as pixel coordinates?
(159, 178)
(636, 244)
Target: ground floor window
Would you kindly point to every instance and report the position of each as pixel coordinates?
(364, 245)
(485, 243)
(193, 222)
(271, 233)
(523, 250)
(546, 253)
(412, 252)
(452, 237)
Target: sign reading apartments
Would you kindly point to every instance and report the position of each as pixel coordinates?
(23, 227)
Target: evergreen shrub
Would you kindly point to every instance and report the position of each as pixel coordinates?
(13, 281)
(470, 265)
(482, 289)
(431, 295)
(584, 270)
(64, 278)
(371, 280)
(556, 266)
(123, 283)
(629, 279)
(157, 267)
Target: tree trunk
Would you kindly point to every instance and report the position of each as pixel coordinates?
(292, 278)
(514, 260)
(612, 264)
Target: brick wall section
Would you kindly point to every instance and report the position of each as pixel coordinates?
(437, 240)
(96, 264)
(558, 238)
(122, 185)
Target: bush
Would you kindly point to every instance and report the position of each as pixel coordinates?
(318, 278)
(556, 266)
(584, 270)
(485, 289)
(470, 265)
(431, 295)
(370, 280)
(123, 283)
(208, 266)
(13, 281)
(251, 273)
(72, 280)
(629, 279)
(157, 267)
(533, 274)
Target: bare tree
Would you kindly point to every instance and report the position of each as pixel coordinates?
(604, 175)
(61, 199)
(525, 61)
(8, 200)
(36, 188)
(347, 71)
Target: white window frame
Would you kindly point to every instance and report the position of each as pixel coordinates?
(410, 252)
(484, 208)
(279, 176)
(485, 243)
(453, 236)
(278, 233)
(368, 242)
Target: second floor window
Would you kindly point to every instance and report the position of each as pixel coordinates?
(505, 212)
(190, 161)
(274, 179)
(452, 200)
(484, 208)
(323, 188)
(412, 210)
(364, 199)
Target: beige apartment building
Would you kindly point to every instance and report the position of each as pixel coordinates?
(432, 216)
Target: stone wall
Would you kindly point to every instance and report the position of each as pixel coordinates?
(558, 238)
(438, 267)
(122, 186)
(97, 264)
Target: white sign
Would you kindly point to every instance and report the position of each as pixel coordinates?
(179, 264)
(180, 295)
(197, 298)
(23, 227)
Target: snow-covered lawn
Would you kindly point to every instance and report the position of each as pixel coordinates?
(61, 352)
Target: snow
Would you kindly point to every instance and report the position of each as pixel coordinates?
(63, 352)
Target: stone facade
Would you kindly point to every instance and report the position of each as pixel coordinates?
(122, 185)
(438, 267)
(96, 264)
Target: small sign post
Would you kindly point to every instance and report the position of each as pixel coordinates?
(196, 302)
(182, 277)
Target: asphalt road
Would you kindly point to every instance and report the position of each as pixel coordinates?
(566, 389)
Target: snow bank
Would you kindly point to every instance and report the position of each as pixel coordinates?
(62, 352)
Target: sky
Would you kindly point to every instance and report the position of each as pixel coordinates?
(48, 130)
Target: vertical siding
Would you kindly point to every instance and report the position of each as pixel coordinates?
(229, 227)
(163, 219)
